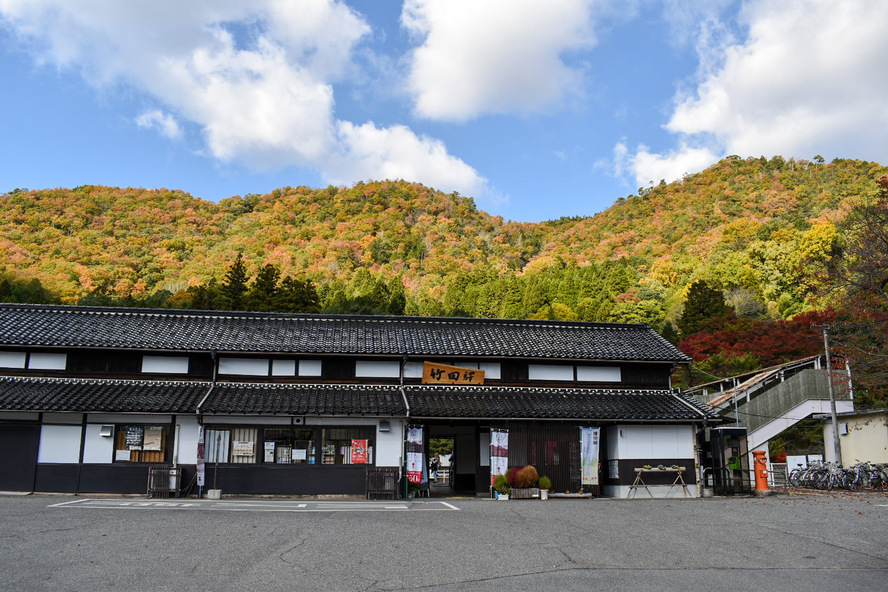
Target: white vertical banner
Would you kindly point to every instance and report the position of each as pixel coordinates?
(499, 453)
(415, 455)
(589, 442)
(201, 457)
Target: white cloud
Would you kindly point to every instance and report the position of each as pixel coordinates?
(164, 123)
(257, 78)
(397, 153)
(651, 167)
(808, 79)
(496, 56)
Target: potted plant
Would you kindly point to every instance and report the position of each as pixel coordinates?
(501, 487)
(545, 486)
(523, 482)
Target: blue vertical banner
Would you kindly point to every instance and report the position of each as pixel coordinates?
(589, 444)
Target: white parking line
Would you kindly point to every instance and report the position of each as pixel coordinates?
(256, 506)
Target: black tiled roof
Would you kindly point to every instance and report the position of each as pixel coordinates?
(305, 399)
(426, 402)
(175, 330)
(552, 403)
(108, 396)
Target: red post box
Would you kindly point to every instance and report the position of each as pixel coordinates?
(761, 470)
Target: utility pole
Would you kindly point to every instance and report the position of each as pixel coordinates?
(832, 393)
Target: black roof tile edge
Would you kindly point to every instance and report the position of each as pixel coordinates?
(170, 312)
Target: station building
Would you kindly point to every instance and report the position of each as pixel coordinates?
(266, 403)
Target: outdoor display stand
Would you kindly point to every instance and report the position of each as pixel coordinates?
(639, 480)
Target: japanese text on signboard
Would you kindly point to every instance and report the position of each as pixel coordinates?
(444, 374)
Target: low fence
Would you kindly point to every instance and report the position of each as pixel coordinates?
(382, 483)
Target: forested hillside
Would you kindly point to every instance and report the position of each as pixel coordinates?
(766, 237)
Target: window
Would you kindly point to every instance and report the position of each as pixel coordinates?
(347, 446)
(165, 364)
(141, 443)
(230, 445)
(288, 445)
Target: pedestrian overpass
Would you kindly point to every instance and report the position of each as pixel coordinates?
(767, 402)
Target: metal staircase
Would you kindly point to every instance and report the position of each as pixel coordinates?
(772, 400)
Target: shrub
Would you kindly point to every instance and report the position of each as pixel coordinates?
(501, 484)
(545, 482)
(512, 477)
(527, 477)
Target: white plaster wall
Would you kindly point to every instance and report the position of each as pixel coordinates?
(650, 442)
(187, 444)
(59, 444)
(389, 445)
(867, 439)
(97, 448)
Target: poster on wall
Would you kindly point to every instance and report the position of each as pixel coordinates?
(499, 453)
(359, 452)
(613, 469)
(242, 448)
(134, 437)
(415, 455)
(269, 452)
(152, 438)
(589, 455)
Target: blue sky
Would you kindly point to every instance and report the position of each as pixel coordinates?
(536, 109)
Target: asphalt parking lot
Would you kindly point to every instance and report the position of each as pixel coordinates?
(785, 542)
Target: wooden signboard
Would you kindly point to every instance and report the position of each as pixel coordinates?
(444, 374)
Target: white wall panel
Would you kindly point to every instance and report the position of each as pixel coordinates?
(389, 445)
(187, 439)
(650, 441)
(310, 368)
(243, 366)
(43, 361)
(549, 372)
(97, 448)
(283, 367)
(59, 444)
(491, 370)
(598, 373)
(165, 364)
(12, 359)
(377, 369)
(413, 369)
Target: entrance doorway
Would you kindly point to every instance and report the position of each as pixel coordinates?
(441, 466)
(457, 448)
